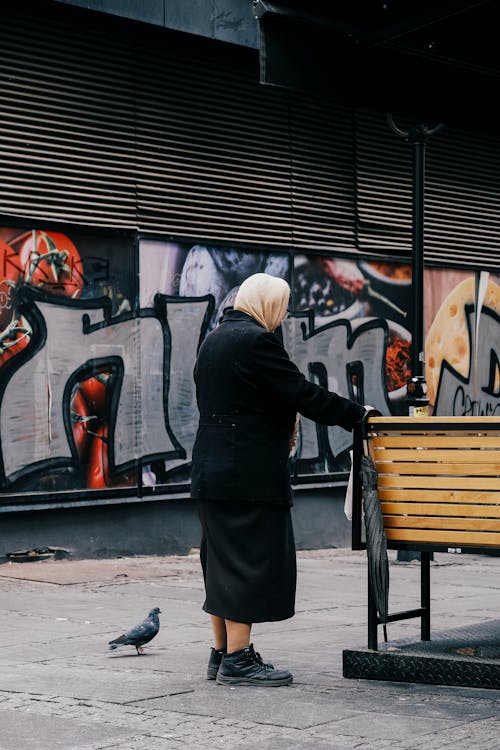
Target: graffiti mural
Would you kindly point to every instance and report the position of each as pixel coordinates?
(59, 374)
(462, 346)
(98, 345)
(346, 331)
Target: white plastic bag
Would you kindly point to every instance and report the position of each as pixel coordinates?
(348, 493)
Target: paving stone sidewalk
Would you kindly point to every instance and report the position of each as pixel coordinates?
(60, 687)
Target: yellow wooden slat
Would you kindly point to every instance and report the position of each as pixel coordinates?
(441, 496)
(433, 468)
(438, 509)
(446, 524)
(436, 441)
(452, 538)
(438, 484)
(436, 422)
(450, 483)
(464, 456)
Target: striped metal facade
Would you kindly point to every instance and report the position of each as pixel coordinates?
(113, 124)
(462, 193)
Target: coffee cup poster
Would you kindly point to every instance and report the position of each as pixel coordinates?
(99, 334)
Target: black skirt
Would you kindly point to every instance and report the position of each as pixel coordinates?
(248, 559)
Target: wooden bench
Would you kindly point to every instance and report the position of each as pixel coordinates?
(438, 481)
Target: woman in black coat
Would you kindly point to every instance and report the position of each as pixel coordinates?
(249, 394)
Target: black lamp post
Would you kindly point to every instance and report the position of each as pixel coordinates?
(416, 397)
(417, 136)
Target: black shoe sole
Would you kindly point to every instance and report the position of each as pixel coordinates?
(223, 680)
(212, 673)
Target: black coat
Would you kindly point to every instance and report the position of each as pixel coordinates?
(248, 392)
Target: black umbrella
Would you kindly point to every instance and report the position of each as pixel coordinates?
(376, 542)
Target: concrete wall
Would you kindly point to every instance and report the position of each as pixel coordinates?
(226, 20)
(168, 527)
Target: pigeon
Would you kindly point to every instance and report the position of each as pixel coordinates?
(140, 634)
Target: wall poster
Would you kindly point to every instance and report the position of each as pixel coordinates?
(462, 346)
(67, 341)
(98, 341)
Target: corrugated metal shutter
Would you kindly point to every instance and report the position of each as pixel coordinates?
(462, 194)
(322, 154)
(108, 123)
(67, 120)
(463, 199)
(222, 157)
(212, 152)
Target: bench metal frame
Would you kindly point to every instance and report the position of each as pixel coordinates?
(425, 549)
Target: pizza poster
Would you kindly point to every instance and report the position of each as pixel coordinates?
(462, 342)
(99, 335)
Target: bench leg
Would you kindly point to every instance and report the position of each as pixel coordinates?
(425, 595)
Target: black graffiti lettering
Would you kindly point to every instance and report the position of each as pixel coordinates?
(465, 406)
(155, 414)
(325, 462)
(38, 387)
(493, 376)
(332, 351)
(468, 396)
(459, 402)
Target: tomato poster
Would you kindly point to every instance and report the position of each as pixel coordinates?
(99, 335)
(59, 389)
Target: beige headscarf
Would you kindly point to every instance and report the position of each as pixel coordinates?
(265, 298)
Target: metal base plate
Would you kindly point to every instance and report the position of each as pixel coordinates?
(468, 656)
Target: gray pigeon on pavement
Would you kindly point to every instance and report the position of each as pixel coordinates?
(140, 634)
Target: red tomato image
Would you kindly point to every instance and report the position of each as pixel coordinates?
(52, 263)
(94, 392)
(98, 471)
(11, 272)
(14, 338)
(82, 421)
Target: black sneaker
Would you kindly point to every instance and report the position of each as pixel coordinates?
(245, 667)
(214, 663)
(215, 660)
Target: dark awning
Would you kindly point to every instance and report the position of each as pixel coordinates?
(433, 60)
